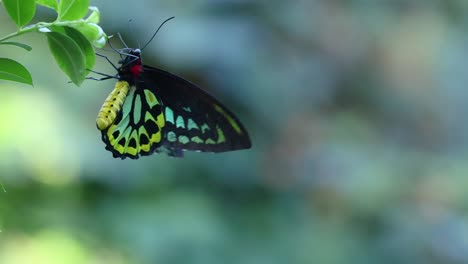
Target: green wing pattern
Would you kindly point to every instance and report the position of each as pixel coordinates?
(137, 128)
(161, 112)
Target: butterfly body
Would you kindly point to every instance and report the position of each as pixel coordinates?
(151, 110)
(112, 105)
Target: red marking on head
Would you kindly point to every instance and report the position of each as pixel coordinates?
(137, 68)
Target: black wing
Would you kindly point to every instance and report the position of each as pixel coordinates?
(195, 120)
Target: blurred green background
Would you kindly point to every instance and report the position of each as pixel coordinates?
(357, 113)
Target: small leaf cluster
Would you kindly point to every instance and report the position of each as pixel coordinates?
(72, 37)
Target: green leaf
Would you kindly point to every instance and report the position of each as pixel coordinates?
(48, 3)
(68, 55)
(95, 15)
(72, 9)
(93, 33)
(20, 11)
(84, 44)
(18, 44)
(13, 71)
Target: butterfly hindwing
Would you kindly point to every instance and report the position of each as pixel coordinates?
(194, 119)
(137, 128)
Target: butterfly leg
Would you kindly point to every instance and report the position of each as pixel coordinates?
(121, 39)
(103, 74)
(100, 79)
(115, 50)
(108, 60)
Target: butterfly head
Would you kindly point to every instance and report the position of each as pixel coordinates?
(131, 66)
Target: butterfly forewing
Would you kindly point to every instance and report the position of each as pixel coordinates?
(194, 119)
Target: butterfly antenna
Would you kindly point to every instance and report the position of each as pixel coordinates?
(139, 45)
(130, 29)
(154, 35)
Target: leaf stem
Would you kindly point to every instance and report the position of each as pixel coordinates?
(36, 27)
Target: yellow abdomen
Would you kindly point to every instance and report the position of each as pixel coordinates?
(112, 105)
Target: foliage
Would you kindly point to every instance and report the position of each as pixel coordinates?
(71, 37)
(13, 71)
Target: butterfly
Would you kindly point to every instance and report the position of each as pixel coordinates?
(152, 111)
